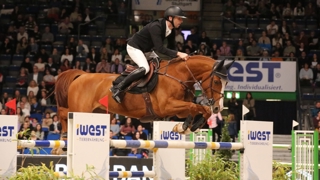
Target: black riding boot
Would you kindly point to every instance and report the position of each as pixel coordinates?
(133, 76)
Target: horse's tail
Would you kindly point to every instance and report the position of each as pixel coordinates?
(61, 90)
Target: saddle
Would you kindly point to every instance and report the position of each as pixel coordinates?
(145, 84)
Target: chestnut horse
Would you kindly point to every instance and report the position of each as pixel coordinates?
(78, 91)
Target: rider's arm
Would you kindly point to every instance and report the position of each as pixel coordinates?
(155, 31)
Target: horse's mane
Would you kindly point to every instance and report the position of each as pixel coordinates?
(62, 86)
(198, 58)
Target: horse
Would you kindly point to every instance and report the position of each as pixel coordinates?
(171, 94)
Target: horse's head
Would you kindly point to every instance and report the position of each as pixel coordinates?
(213, 86)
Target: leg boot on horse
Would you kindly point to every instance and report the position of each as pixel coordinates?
(118, 89)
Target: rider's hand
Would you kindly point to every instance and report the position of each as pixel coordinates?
(183, 56)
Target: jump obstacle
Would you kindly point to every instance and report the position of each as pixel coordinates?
(92, 130)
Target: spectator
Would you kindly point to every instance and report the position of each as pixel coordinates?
(66, 26)
(26, 105)
(310, 11)
(114, 127)
(299, 11)
(277, 39)
(254, 49)
(116, 67)
(249, 39)
(287, 50)
(36, 35)
(53, 15)
(264, 39)
(14, 15)
(306, 75)
(274, 12)
(82, 49)
(44, 100)
(48, 78)
(265, 56)
(241, 9)
(72, 46)
(204, 49)
(4, 99)
(3, 112)
(190, 46)
(107, 49)
(232, 127)
(22, 33)
(77, 65)
(63, 15)
(74, 15)
(94, 56)
(193, 37)
(303, 59)
(58, 72)
(228, 8)
(55, 127)
(272, 28)
(239, 55)
(287, 11)
(276, 56)
(314, 61)
(22, 46)
(33, 47)
(67, 56)
(24, 132)
(301, 39)
(65, 65)
(178, 36)
(22, 79)
(291, 57)
(204, 39)
(263, 10)
(284, 29)
(56, 57)
(249, 103)
(30, 24)
(116, 55)
(252, 10)
(33, 87)
(20, 116)
(316, 77)
(30, 96)
(51, 66)
(136, 153)
(6, 47)
(36, 108)
(127, 129)
(315, 111)
(122, 14)
(36, 76)
(103, 67)
(313, 41)
(233, 105)
(142, 135)
(215, 123)
(46, 121)
(40, 65)
(111, 11)
(43, 55)
(278, 48)
(88, 66)
(39, 132)
(241, 46)
(17, 95)
(47, 37)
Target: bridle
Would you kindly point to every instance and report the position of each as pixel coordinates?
(207, 101)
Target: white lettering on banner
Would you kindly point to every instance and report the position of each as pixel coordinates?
(262, 76)
(186, 5)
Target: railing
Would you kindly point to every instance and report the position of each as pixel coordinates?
(234, 23)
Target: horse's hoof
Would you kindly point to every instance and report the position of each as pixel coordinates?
(186, 132)
(178, 128)
(187, 123)
(198, 124)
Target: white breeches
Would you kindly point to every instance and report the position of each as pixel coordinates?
(138, 57)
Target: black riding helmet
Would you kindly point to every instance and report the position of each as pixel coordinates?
(173, 11)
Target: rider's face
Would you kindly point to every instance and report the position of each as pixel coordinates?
(177, 21)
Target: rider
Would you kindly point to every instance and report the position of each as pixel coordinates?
(150, 37)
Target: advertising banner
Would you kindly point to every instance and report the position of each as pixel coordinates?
(90, 134)
(116, 163)
(257, 138)
(8, 144)
(173, 159)
(263, 76)
(186, 5)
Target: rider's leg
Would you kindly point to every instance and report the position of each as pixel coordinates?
(139, 58)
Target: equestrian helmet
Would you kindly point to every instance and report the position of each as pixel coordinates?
(174, 11)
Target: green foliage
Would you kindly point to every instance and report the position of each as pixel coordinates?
(279, 171)
(225, 153)
(213, 167)
(44, 173)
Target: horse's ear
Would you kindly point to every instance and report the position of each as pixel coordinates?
(227, 66)
(218, 66)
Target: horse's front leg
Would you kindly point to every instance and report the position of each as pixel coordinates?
(186, 109)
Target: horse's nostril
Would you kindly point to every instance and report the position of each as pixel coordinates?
(216, 108)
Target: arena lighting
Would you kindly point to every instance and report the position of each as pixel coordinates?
(273, 99)
(229, 95)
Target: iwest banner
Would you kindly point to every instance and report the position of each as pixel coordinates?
(186, 5)
(262, 76)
